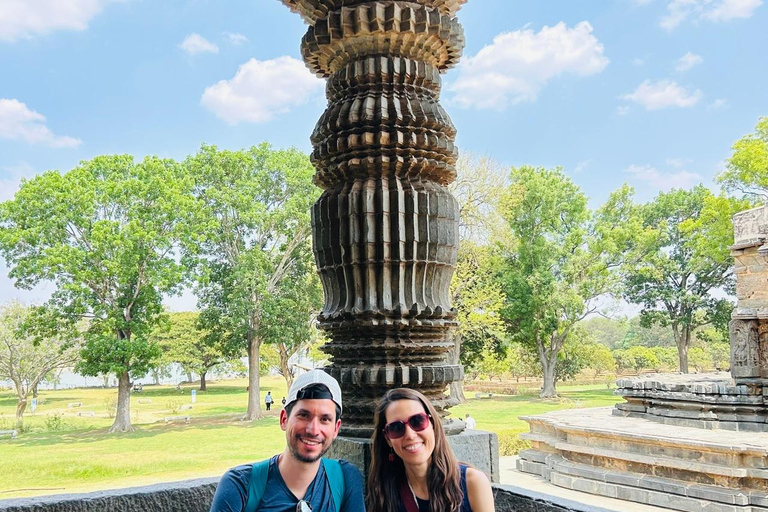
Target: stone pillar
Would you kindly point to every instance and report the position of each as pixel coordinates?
(749, 324)
(385, 230)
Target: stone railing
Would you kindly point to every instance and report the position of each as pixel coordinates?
(196, 495)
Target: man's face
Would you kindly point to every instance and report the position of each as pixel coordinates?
(311, 428)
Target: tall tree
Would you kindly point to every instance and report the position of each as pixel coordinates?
(564, 259)
(686, 259)
(474, 290)
(26, 363)
(105, 233)
(747, 168)
(256, 248)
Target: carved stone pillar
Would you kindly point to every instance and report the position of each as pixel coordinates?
(385, 230)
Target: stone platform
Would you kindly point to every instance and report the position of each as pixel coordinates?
(644, 461)
(711, 401)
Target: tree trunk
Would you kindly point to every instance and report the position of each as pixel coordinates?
(548, 389)
(254, 400)
(156, 376)
(34, 391)
(285, 369)
(189, 377)
(682, 340)
(123, 414)
(202, 380)
(456, 389)
(21, 406)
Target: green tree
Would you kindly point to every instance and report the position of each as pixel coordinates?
(195, 350)
(105, 233)
(474, 291)
(256, 252)
(606, 331)
(636, 358)
(26, 363)
(565, 258)
(747, 168)
(686, 258)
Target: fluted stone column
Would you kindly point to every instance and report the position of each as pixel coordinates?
(385, 230)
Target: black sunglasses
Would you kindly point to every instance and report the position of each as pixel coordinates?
(396, 429)
(303, 506)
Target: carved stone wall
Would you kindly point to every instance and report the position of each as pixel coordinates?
(385, 230)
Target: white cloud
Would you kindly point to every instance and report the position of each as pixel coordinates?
(17, 122)
(663, 94)
(195, 43)
(260, 90)
(663, 181)
(638, 62)
(718, 104)
(688, 61)
(729, 9)
(622, 110)
(678, 163)
(26, 18)
(519, 64)
(235, 38)
(679, 11)
(583, 165)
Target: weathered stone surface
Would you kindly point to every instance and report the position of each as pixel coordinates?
(385, 229)
(477, 447)
(187, 496)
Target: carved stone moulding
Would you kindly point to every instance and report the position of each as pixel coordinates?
(400, 29)
(313, 10)
(369, 384)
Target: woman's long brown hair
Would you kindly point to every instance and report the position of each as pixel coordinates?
(384, 476)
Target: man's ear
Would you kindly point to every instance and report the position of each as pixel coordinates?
(283, 419)
(336, 430)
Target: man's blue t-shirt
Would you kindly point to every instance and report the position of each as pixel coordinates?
(232, 492)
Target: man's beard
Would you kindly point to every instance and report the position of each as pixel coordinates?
(303, 458)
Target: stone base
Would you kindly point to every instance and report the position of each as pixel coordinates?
(711, 401)
(476, 447)
(643, 461)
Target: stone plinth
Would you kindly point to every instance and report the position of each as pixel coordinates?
(477, 447)
(712, 401)
(682, 468)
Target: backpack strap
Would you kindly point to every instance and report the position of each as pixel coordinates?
(335, 476)
(257, 485)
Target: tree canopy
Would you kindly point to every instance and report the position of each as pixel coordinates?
(106, 234)
(254, 258)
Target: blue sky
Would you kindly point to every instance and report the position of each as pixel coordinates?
(648, 92)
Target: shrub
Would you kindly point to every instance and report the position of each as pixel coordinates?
(110, 404)
(173, 406)
(510, 443)
(55, 421)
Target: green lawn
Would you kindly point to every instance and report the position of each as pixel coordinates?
(80, 456)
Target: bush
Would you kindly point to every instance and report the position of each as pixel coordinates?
(510, 443)
(110, 404)
(173, 406)
(55, 421)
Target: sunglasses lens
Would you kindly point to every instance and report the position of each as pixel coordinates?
(303, 506)
(418, 422)
(395, 430)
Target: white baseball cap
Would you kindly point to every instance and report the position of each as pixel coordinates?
(310, 378)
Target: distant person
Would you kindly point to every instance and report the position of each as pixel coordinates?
(268, 400)
(470, 421)
(412, 465)
(299, 479)
(283, 402)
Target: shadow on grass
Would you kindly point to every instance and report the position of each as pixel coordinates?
(143, 431)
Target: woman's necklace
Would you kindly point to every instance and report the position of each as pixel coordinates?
(415, 499)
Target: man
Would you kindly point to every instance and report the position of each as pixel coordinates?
(470, 421)
(268, 400)
(296, 479)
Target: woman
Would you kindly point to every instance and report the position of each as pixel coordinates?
(413, 469)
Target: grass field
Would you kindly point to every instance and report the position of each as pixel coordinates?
(66, 449)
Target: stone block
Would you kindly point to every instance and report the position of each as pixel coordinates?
(476, 447)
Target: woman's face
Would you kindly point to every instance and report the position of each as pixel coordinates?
(415, 448)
